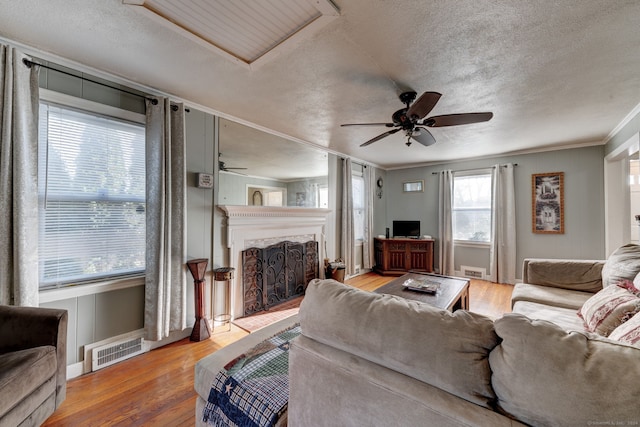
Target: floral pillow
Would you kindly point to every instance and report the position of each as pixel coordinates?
(628, 332)
(610, 307)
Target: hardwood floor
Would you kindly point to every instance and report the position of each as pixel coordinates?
(156, 388)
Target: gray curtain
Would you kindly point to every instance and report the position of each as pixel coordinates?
(370, 197)
(18, 180)
(165, 284)
(502, 263)
(348, 238)
(445, 225)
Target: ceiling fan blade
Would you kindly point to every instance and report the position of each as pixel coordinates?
(425, 137)
(389, 125)
(457, 119)
(423, 105)
(379, 137)
(234, 168)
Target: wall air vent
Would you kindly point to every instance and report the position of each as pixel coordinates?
(473, 272)
(115, 352)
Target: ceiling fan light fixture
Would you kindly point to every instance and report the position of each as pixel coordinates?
(407, 119)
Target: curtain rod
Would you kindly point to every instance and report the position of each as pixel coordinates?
(475, 169)
(361, 164)
(29, 63)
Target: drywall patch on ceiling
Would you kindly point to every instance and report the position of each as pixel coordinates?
(247, 32)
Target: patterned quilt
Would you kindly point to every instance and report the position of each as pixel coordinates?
(253, 389)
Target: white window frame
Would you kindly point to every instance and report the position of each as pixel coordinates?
(357, 175)
(109, 284)
(474, 243)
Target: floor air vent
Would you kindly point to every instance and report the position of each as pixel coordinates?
(115, 352)
(473, 272)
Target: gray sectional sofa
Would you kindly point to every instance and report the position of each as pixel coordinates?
(379, 360)
(33, 364)
(366, 359)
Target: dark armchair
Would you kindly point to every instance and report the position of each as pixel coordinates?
(33, 364)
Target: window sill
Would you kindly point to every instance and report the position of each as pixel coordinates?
(75, 291)
(472, 244)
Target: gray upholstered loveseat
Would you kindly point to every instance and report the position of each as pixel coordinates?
(378, 360)
(33, 364)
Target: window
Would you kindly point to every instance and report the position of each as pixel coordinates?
(357, 184)
(91, 185)
(322, 198)
(472, 207)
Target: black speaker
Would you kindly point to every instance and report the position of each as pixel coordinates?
(387, 233)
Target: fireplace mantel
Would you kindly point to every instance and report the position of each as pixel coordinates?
(272, 211)
(261, 226)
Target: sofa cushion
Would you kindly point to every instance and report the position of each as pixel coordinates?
(577, 275)
(628, 332)
(22, 372)
(623, 263)
(446, 350)
(566, 318)
(609, 308)
(543, 375)
(557, 297)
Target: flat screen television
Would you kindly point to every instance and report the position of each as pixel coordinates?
(406, 229)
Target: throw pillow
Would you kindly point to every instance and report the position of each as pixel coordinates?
(609, 308)
(623, 263)
(635, 286)
(628, 332)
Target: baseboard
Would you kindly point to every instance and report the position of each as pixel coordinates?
(84, 367)
(75, 370)
(173, 337)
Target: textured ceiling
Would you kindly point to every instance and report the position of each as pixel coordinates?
(554, 72)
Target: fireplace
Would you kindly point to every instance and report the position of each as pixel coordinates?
(260, 227)
(277, 273)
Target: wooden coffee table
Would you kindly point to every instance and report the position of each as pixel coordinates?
(452, 295)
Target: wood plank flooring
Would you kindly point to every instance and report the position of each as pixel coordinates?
(156, 388)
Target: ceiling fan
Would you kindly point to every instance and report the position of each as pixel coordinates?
(411, 119)
(223, 167)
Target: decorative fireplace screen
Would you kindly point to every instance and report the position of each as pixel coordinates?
(277, 273)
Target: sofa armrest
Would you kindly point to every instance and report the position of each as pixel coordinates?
(28, 327)
(577, 275)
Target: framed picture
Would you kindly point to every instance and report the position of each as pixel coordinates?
(413, 186)
(547, 193)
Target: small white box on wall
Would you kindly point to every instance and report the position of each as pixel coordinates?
(205, 180)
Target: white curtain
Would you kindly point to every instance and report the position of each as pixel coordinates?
(348, 238)
(165, 287)
(445, 226)
(503, 228)
(370, 194)
(18, 179)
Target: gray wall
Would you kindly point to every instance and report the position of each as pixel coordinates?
(232, 188)
(584, 204)
(380, 205)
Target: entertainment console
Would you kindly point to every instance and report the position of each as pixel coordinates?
(395, 257)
